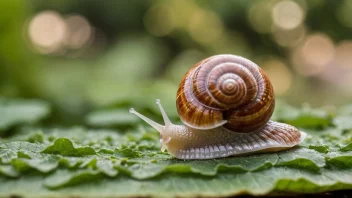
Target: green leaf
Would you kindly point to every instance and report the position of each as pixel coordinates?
(8, 170)
(10, 151)
(306, 117)
(16, 112)
(302, 159)
(343, 122)
(106, 166)
(88, 183)
(6, 155)
(36, 137)
(68, 178)
(320, 148)
(43, 164)
(347, 147)
(341, 161)
(126, 152)
(73, 162)
(64, 146)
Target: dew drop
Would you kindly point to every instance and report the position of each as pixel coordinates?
(132, 110)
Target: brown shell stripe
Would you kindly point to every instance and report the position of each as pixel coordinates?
(253, 116)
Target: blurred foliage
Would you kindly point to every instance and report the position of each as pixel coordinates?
(137, 51)
(18, 112)
(16, 62)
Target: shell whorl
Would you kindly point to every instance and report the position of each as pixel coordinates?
(225, 90)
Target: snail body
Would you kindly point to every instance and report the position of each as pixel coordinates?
(225, 102)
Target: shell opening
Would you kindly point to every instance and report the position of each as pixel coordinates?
(205, 127)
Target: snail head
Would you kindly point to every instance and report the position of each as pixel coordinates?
(165, 131)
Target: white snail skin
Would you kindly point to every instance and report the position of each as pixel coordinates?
(225, 102)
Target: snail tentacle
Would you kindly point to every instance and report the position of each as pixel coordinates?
(155, 125)
(163, 113)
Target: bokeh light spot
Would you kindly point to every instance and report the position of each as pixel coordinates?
(79, 31)
(343, 55)
(289, 38)
(318, 50)
(287, 14)
(47, 31)
(314, 55)
(279, 74)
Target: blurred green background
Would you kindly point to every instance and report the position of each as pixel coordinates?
(89, 54)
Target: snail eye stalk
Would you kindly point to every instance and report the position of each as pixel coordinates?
(163, 113)
(157, 126)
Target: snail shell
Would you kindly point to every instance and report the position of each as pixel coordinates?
(225, 89)
(225, 102)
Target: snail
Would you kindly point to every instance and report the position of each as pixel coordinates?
(225, 103)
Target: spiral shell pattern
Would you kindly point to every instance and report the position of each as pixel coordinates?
(225, 90)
